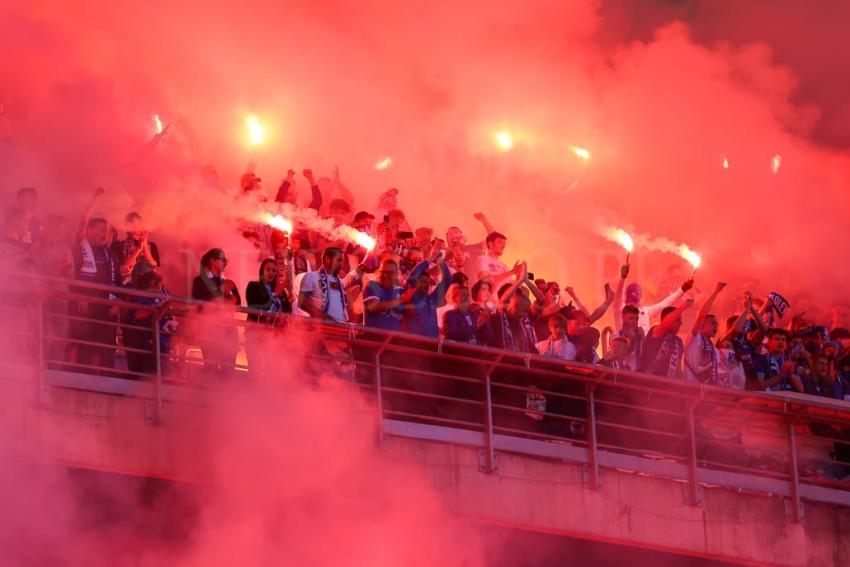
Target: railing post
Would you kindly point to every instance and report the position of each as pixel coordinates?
(158, 379)
(489, 449)
(380, 401)
(796, 503)
(592, 456)
(693, 481)
(40, 364)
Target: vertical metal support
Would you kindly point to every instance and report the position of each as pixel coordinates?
(489, 451)
(796, 503)
(158, 380)
(380, 397)
(592, 447)
(40, 364)
(693, 498)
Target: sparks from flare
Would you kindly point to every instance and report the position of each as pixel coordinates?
(622, 238)
(504, 140)
(692, 257)
(725, 163)
(256, 132)
(581, 153)
(384, 163)
(363, 239)
(775, 163)
(157, 123)
(278, 222)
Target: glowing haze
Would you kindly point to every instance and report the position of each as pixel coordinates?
(345, 82)
(698, 142)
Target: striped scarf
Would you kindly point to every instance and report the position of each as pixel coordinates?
(710, 375)
(671, 346)
(524, 342)
(324, 284)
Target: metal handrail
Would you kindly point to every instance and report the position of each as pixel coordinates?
(490, 373)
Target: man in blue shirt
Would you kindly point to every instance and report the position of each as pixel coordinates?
(773, 371)
(421, 315)
(382, 304)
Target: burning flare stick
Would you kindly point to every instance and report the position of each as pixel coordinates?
(308, 217)
(504, 140)
(256, 132)
(581, 153)
(157, 123)
(278, 222)
(692, 257)
(622, 238)
(384, 163)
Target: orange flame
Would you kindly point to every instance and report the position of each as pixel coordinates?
(504, 140)
(365, 241)
(256, 132)
(621, 237)
(583, 154)
(278, 222)
(692, 257)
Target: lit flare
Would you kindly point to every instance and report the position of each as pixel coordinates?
(583, 154)
(360, 238)
(278, 222)
(256, 132)
(622, 238)
(157, 123)
(775, 163)
(504, 140)
(384, 163)
(692, 257)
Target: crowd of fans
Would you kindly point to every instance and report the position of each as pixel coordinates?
(416, 282)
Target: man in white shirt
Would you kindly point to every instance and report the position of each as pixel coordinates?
(702, 360)
(633, 296)
(489, 265)
(557, 345)
(322, 293)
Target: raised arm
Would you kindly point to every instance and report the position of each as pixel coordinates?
(285, 185)
(741, 322)
(506, 297)
(653, 310)
(619, 297)
(668, 323)
(337, 186)
(443, 286)
(603, 307)
(542, 302)
(572, 293)
(482, 218)
(316, 199)
(87, 212)
(706, 308)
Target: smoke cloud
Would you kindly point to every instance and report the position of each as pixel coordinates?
(658, 94)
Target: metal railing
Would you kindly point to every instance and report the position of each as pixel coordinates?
(788, 444)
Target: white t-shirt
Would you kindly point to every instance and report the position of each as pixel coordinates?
(554, 348)
(489, 265)
(696, 358)
(336, 306)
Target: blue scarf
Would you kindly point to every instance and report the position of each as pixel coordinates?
(324, 284)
